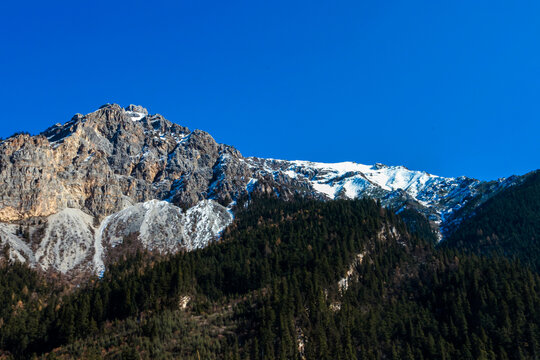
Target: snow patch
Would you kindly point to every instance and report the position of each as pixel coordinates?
(358, 176)
(135, 116)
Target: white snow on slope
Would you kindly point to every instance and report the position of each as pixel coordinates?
(353, 179)
(135, 116)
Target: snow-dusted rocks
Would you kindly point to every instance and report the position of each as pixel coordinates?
(136, 112)
(352, 180)
(396, 186)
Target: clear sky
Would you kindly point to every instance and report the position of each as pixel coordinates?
(450, 87)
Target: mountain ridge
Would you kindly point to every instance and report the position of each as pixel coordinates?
(115, 159)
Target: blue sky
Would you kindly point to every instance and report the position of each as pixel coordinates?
(450, 87)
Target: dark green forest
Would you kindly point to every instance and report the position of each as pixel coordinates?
(506, 225)
(274, 288)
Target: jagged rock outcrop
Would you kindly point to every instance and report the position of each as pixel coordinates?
(79, 189)
(109, 159)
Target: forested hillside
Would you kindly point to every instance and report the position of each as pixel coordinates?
(290, 280)
(506, 225)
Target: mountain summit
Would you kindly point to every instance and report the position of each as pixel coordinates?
(76, 191)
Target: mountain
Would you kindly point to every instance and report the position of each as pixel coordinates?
(81, 193)
(303, 278)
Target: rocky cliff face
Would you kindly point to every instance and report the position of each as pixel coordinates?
(107, 160)
(80, 188)
(75, 192)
